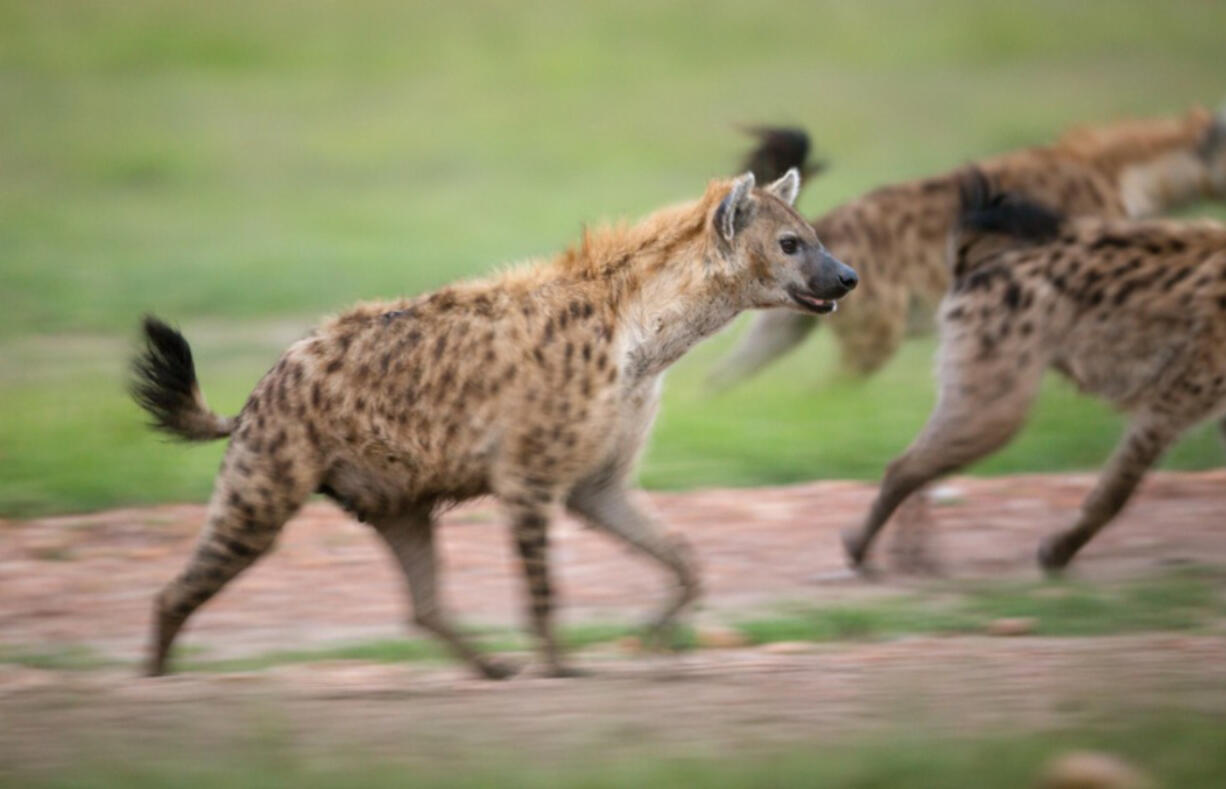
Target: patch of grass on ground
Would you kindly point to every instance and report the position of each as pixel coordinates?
(72, 657)
(1184, 599)
(1177, 750)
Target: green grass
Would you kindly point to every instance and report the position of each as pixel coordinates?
(1176, 750)
(75, 657)
(243, 167)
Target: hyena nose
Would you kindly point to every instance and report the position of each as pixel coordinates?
(844, 274)
(848, 277)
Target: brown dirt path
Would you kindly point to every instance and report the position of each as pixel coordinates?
(89, 579)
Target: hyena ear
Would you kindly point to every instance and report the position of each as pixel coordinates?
(734, 209)
(787, 187)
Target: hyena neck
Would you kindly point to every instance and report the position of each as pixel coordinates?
(671, 314)
(662, 281)
(1162, 183)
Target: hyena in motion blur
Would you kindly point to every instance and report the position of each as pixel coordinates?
(1133, 311)
(535, 386)
(895, 236)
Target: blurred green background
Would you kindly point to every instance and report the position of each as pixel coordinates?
(243, 167)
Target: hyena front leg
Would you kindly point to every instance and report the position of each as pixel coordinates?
(1140, 448)
(411, 540)
(529, 527)
(608, 507)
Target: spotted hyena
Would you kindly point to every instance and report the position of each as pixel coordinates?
(1132, 311)
(895, 236)
(536, 386)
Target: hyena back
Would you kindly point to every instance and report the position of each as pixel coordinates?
(1132, 311)
(895, 236)
(536, 386)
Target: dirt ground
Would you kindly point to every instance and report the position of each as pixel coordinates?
(89, 580)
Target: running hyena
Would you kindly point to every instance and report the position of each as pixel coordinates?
(1133, 311)
(535, 386)
(895, 236)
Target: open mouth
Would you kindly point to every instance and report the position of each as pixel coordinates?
(813, 303)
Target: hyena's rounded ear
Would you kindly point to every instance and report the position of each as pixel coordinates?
(734, 209)
(787, 187)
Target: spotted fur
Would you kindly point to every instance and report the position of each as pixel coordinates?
(895, 236)
(536, 386)
(1133, 311)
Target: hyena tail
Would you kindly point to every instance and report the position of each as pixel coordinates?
(778, 151)
(990, 220)
(164, 384)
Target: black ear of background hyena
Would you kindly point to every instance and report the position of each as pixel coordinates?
(778, 151)
(986, 211)
(164, 384)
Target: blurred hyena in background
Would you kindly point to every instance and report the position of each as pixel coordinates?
(537, 386)
(895, 236)
(1132, 311)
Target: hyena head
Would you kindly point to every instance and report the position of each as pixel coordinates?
(775, 256)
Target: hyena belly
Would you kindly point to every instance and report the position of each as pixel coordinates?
(416, 411)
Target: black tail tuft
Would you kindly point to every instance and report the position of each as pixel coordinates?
(164, 384)
(778, 151)
(984, 209)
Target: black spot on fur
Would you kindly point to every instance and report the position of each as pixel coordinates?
(1108, 241)
(1013, 296)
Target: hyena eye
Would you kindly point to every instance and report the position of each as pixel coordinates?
(789, 244)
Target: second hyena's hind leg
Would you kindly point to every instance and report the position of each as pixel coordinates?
(980, 408)
(606, 506)
(251, 501)
(1140, 448)
(411, 540)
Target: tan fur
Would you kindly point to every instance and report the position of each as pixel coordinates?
(1131, 311)
(536, 386)
(895, 236)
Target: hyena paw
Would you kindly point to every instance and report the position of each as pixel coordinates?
(1054, 554)
(497, 669)
(855, 547)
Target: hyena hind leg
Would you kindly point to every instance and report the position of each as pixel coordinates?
(609, 509)
(411, 540)
(244, 518)
(970, 421)
(1140, 448)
